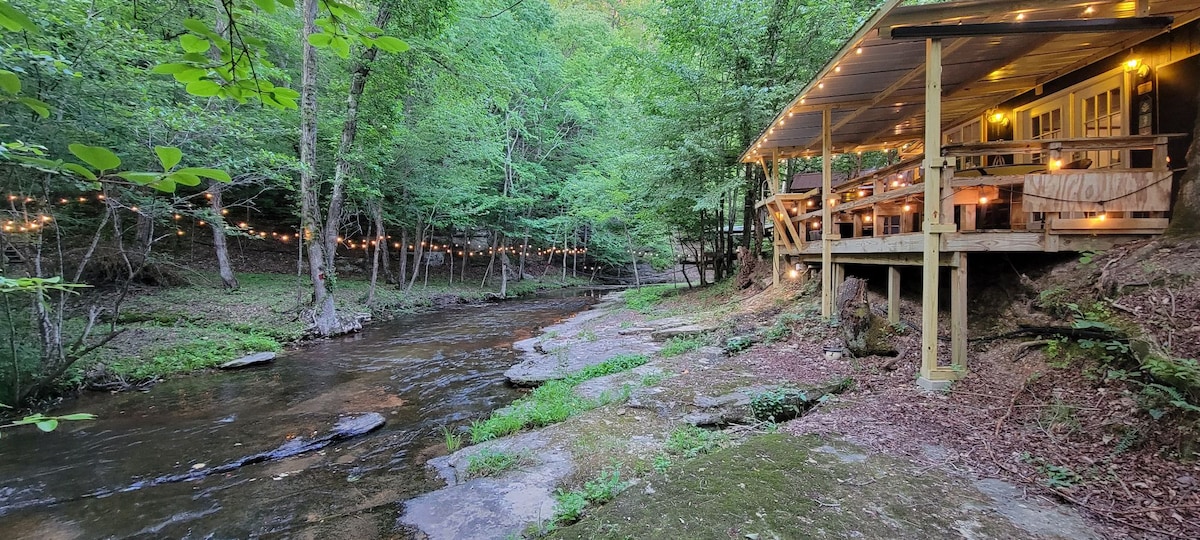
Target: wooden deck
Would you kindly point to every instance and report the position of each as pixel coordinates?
(877, 216)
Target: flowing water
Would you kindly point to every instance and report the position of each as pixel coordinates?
(421, 372)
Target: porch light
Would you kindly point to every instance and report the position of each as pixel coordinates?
(837, 69)
(1020, 16)
(832, 202)
(1132, 64)
(858, 50)
(997, 118)
(793, 274)
(862, 193)
(810, 203)
(821, 85)
(1055, 164)
(983, 200)
(1090, 10)
(1102, 216)
(866, 219)
(908, 208)
(816, 225)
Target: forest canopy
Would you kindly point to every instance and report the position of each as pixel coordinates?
(604, 128)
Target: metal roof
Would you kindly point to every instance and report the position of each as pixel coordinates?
(875, 85)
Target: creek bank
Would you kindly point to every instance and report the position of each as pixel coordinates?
(168, 334)
(649, 439)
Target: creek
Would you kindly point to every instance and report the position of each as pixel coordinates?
(421, 372)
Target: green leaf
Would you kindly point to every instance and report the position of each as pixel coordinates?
(215, 174)
(47, 425)
(194, 44)
(266, 5)
(40, 107)
(340, 46)
(10, 83)
(78, 416)
(391, 44)
(168, 156)
(80, 170)
(14, 20)
(140, 178)
(170, 68)
(164, 184)
(319, 40)
(289, 3)
(203, 88)
(284, 92)
(191, 75)
(98, 157)
(184, 179)
(195, 25)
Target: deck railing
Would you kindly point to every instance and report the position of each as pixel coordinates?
(1024, 197)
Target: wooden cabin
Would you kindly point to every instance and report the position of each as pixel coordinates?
(1048, 126)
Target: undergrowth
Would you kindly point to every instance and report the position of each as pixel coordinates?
(553, 401)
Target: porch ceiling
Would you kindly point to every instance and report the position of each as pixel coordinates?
(875, 85)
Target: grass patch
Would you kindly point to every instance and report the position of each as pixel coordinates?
(679, 345)
(644, 299)
(690, 441)
(200, 353)
(490, 462)
(570, 505)
(553, 401)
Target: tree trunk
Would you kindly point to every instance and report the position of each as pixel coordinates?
(325, 319)
(504, 265)
(380, 243)
(521, 257)
(219, 245)
(748, 211)
(419, 244)
(1185, 215)
(358, 81)
(403, 257)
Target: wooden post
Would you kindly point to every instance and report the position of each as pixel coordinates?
(839, 275)
(826, 214)
(932, 378)
(893, 292)
(958, 315)
(780, 234)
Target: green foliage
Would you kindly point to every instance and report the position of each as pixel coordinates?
(452, 439)
(777, 404)
(491, 462)
(690, 441)
(45, 423)
(643, 300)
(1054, 476)
(662, 462)
(738, 344)
(553, 401)
(570, 505)
(679, 345)
(200, 354)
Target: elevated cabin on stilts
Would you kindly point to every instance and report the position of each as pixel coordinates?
(1019, 126)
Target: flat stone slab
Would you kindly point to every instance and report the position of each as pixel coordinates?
(249, 360)
(681, 331)
(493, 507)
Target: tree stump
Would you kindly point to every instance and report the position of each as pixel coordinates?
(747, 266)
(865, 333)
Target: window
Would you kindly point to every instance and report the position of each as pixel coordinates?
(891, 224)
(1046, 125)
(1101, 117)
(970, 132)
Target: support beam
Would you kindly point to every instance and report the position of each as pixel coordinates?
(958, 315)
(893, 295)
(1057, 26)
(826, 216)
(931, 377)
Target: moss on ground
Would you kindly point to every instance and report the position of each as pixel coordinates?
(780, 486)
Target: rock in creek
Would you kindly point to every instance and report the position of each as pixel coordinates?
(345, 428)
(249, 360)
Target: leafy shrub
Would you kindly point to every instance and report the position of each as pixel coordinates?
(690, 441)
(644, 299)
